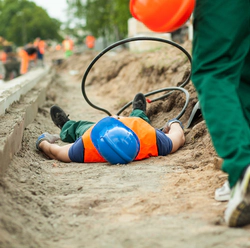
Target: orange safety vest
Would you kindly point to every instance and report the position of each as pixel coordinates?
(145, 132)
(68, 45)
(90, 41)
(41, 46)
(58, 47)
(25, 58)
(3, 56)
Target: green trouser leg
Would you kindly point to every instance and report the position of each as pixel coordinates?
(68, 53)
(221, 65)
(72, 130)
(139, 113)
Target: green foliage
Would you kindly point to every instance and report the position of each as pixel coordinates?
(22, 21)
(102, 18)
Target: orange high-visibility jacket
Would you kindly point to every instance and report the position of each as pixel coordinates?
(58, 47)
(68, 45)
(90, 41)
(25, 58)
(3, 56)
(145, 132)
(40, 45)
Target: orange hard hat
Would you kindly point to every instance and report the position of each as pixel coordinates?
(162, 15)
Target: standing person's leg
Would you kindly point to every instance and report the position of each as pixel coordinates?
(219, 48)
(244, 88)
(42, 59)
(17, 68)
(220, 45)
(7, 71)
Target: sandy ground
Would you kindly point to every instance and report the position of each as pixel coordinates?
(158, 202)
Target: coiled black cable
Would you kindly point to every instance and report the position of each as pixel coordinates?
(180, 88)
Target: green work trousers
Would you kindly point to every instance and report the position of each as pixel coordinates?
(72, 130)
(221, 76)
(68, 53)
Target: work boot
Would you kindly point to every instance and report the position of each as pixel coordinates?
(140, 102)
(237, 213)
(58, 116)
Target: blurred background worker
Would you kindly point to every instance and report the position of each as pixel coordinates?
(40, 46)
(68, 46)
(3, 56)
(90, 41)
(9, 61)
(7, 49)
(58, 47)
(27, 54)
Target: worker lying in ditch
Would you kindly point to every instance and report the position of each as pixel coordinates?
(118, 140)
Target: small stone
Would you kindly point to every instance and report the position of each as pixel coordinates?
(23, 180)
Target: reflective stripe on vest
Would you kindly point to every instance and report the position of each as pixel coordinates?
(145, 132)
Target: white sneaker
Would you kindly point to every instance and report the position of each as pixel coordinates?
(237, 213)
(223, 193)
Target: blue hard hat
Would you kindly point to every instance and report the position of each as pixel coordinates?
(117, 143)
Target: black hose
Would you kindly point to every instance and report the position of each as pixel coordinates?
(150, 93)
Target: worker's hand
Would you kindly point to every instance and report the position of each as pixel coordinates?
(166, 127)
(51, 138)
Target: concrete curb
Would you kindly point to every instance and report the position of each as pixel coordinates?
(12, 142)
(14, 89)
